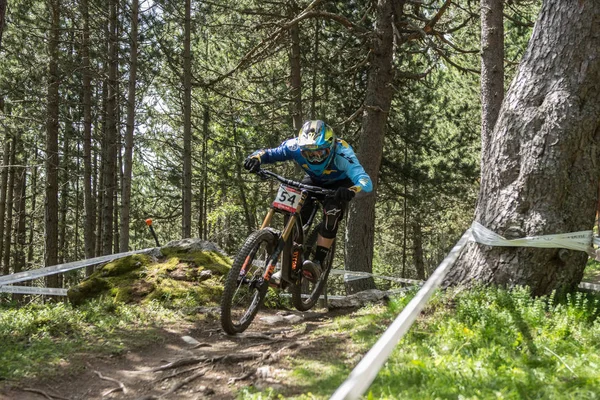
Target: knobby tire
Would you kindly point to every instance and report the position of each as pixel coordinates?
(236, 285)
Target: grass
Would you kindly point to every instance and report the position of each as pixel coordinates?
(477, 344)
(36, 339)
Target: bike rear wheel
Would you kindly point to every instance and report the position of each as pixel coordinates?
(245, 290)
(306, 294)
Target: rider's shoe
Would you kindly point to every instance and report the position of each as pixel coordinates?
(275, 279)
(312, 270)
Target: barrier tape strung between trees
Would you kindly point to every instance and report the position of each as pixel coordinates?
(363, 374)
(60, 268)
(367, 369)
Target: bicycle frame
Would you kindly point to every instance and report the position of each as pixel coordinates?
(291, 251)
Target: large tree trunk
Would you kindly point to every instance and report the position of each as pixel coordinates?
(361, 222)
(541, 172)
(110, 154)
(492, 66)
(88, 198)
(128, 156)
(52, 127)
(186, 223)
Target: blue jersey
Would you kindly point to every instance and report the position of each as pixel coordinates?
(343, 164)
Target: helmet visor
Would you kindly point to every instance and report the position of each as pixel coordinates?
(315, 156)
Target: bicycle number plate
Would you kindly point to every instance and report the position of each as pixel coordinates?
(287, 199)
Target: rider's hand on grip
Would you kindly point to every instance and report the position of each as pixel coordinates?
(344, 194)
(252, 164)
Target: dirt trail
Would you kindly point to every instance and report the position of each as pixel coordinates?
(216, 366)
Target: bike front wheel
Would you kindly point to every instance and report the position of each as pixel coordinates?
(245, 289)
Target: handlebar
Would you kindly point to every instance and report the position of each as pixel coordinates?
(265, 174)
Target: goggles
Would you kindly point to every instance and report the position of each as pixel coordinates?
(315, 156)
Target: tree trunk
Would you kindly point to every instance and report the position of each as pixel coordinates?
(2, 14)
(418, 247)
(186, 223)
(20, 227)
(492, 67)
(378, 99)
(109, 160)
(52, 127)
(4, 187)
(63, 243)
(295, 70)
(313, 97)
(128, 156)
(88, 197)
(541, 172)
(9, 208)
(33, 217)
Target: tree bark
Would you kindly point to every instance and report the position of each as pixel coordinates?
(4, 187)
(88, 198)
(492, 66)
(109, 160)
(541, 174)
(20, 215)
(128, 156)
(52, 127)
(9, 208)
(2, 16)
(186, 223)
(361, 222)
(64, 197)
(295, 70)
(418, 247)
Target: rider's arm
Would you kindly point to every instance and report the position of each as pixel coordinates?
(282, 153)
(346, 161)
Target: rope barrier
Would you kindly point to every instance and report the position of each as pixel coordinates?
(57, 269)
(365, 372)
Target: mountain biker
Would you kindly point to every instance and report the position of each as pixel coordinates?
(329, 162)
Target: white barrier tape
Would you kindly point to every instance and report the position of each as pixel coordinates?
(590, 286)
(356, 275)
(33, 290)
(575, 240)
(363, 374)
(57, 269)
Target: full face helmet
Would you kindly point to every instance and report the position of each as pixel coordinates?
(316, 141)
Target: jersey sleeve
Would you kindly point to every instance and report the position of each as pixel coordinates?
(283, 152)
(347, 161)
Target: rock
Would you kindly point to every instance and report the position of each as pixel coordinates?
(204, 275)
(192, 245)
(293, 318)
(359, 299)
(273, 319)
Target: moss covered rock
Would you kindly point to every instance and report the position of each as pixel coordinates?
(189, 274)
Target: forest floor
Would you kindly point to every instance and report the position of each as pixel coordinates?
(215, 365)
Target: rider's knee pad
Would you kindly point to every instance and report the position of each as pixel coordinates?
(332, 215)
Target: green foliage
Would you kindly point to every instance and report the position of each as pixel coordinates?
(479, 343)
(37, 339)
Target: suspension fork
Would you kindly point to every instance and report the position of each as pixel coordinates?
(284, 236)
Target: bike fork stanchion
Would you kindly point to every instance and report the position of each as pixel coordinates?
(149, 223)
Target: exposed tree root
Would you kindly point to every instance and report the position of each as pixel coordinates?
(241, 378)
(106, 378)
(174, 374)
(187, 380)
(46, 395)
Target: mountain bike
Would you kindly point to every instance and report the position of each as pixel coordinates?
(269, 249)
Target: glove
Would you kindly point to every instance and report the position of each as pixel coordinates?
(344, 194)
(252, 164)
